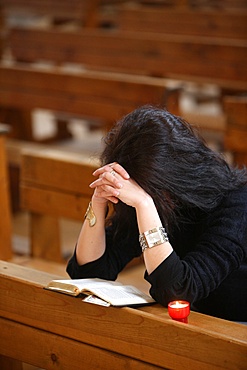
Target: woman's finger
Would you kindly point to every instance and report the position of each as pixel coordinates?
(110, 168)
(120, 170)
(106, 168)
(107, 191)
(109, 178)
(103, 196)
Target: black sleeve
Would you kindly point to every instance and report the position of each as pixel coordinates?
(222, 249)
(108, 266)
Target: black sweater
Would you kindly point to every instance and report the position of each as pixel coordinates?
(208, 266)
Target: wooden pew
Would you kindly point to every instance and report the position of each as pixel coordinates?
(54, 185)
(184, 21)
(236, 128)
(56, 330)
(5, 214)
(99, 98)
(92, 95)
(198, 59)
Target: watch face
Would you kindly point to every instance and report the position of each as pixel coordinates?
(153, 239)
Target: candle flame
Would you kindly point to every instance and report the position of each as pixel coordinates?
(178, 304)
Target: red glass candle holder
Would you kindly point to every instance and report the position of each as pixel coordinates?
(179, 310)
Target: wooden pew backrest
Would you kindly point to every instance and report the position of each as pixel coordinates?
(54, 185)
(93, 95)
(184, 21)
(68, 332)
(208, 60)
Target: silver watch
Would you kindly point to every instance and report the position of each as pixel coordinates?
(153, 237)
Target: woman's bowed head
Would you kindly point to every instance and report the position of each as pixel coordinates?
(176, 201)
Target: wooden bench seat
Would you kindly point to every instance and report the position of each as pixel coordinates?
(56, 330)
(200, 59)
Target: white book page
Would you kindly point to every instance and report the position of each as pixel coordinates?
(96, 300)
(87, 284)
(121, 295)
(113, 292)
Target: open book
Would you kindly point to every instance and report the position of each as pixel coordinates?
(102, 292)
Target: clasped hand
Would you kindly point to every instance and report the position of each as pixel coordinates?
(114, 184)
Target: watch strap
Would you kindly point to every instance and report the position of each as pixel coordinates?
(144, 238)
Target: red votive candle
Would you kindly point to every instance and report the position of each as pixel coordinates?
(179, 310)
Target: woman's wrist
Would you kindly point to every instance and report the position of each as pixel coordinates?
(98, 210)
(147, 215)
(144, 203)
(98, 203)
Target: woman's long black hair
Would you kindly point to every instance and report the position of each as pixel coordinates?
(169, 160)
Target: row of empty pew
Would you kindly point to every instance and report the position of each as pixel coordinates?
(163, 44)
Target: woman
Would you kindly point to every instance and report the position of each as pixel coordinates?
(177, 202)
